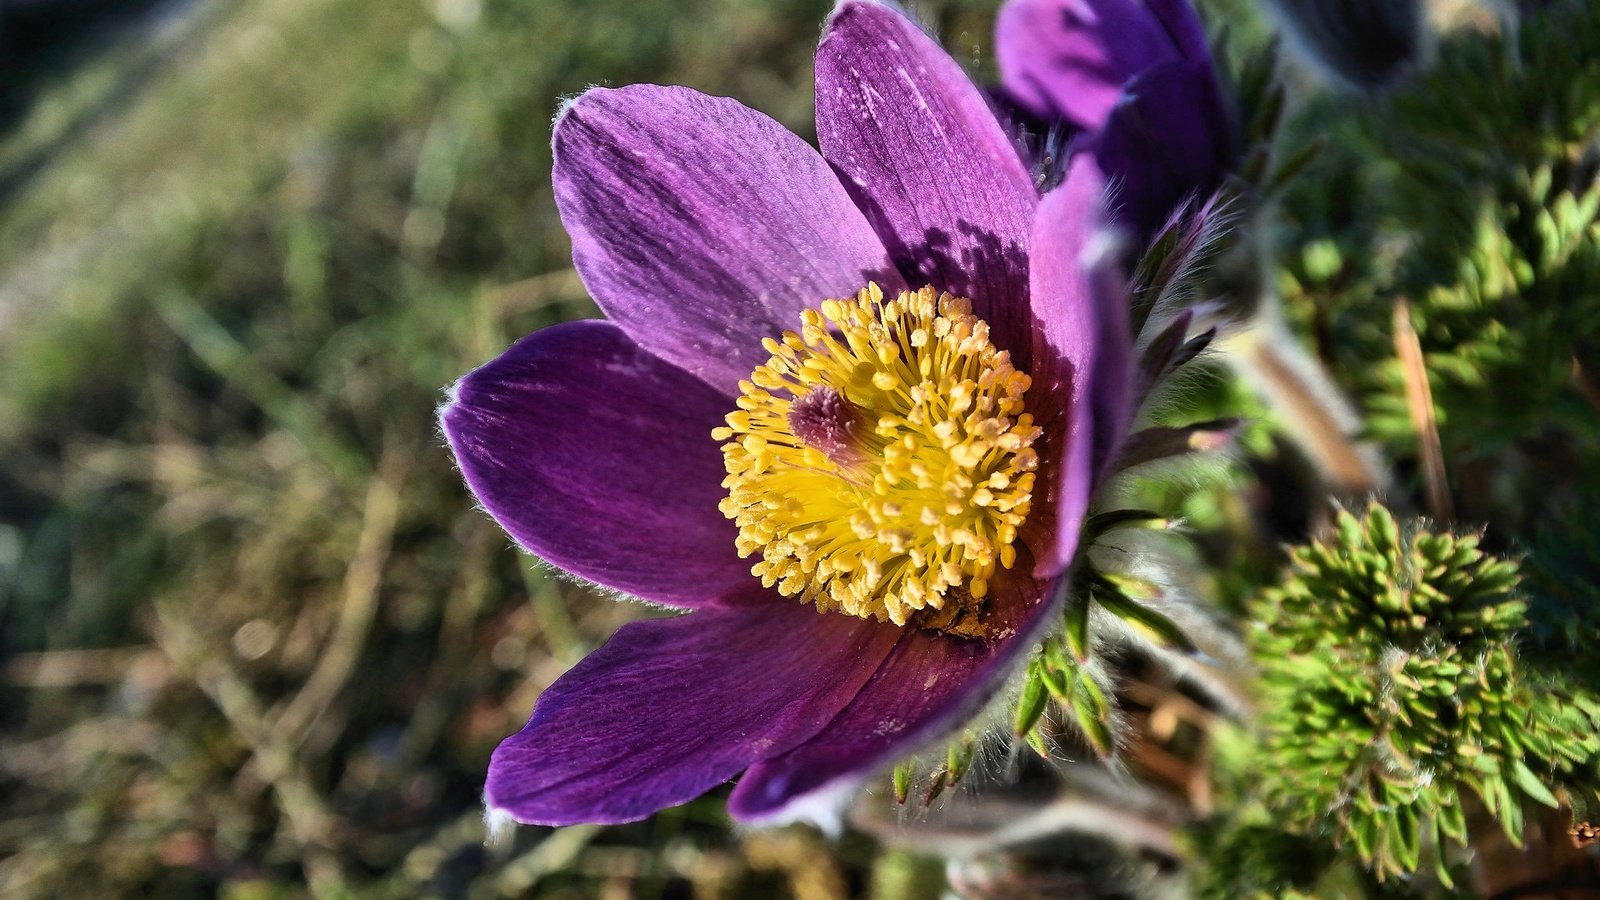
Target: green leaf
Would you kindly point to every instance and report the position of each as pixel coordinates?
(1102, 522)
(1077, 628)
(903, 775)
(1096, 731)
(1531, 785)
(1030, 706)
(958, 759)
(1146, 621)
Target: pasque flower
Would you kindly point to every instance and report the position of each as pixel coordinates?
(847, 411)
(1133, 82)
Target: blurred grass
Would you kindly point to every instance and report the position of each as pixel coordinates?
(254, 640)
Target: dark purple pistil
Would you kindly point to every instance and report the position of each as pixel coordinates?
(826, 421)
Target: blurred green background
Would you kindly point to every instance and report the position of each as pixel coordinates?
(255, 640)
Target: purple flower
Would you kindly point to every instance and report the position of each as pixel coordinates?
(1133, 78)
(865, 491)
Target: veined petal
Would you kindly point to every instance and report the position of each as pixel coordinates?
(1082, 350)
(921, 151)
(1069, 59)
(925, 689)
(597, 457)
(670, 708)
(702, 226)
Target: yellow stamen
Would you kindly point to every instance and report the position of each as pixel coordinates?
(879, 463)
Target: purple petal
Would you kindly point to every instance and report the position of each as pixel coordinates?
(597, 457)
(1115, 378)
(923, 154)
(929, 685)
(1165, 142)
(670, 708)
(701, 226)
(1185, 29)
(1069, 59)
(1083, 352)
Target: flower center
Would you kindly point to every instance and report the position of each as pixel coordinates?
(880, 461)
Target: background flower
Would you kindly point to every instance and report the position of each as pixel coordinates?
(1134, 81)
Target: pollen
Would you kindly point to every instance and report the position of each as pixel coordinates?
(880, 462)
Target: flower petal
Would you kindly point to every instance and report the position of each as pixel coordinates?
(924, 155)
(1115, 377)
(1082, 351)
(669, 708)
(1183, 25)
(925, 689)
(598, 458)
(1165, 142)
(702, 226)
(1069, 59)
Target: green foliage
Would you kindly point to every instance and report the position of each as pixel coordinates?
(1428, 155)
(1106, 613)
(1491, 105)
(1391, 688)
(1470, 192)
(1564, 586)
(1407, 672)
(1505, 332)
(1067, 671)
(1256, 860)
(1107, 609)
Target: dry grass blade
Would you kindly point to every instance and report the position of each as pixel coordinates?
(1419, 402)
(536, 293)
(357, 607)
(1315, 414)
(554, 853)
(71, 668)
(309, 819)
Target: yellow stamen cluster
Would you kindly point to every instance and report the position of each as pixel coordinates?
(880, 461)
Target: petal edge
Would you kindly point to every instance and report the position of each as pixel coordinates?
(548, 436)
(669, 708)
(702, 226)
